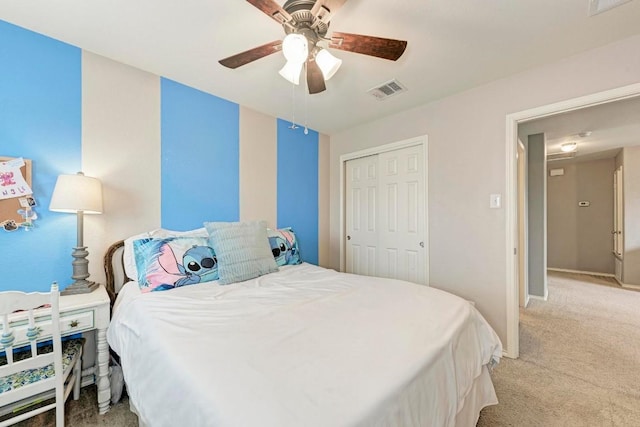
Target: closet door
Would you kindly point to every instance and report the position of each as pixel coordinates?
(361, 216)
(401, 239)
(385, 215)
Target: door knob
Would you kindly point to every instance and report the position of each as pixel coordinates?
(348, 237)
(422, 244)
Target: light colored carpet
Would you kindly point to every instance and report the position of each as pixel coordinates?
(579, 364)
(84, 413)
(579, 359)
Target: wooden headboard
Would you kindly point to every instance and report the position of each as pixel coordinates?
(114, 269)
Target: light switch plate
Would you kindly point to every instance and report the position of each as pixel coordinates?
(495, 201)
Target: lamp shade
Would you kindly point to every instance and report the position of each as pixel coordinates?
(74, 193)
(328, 63)
(295, 48)
(568, 147)
(291, 71)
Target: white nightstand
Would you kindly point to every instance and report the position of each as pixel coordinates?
(78, 313)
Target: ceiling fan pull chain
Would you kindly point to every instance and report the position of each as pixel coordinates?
(306, 111)
(293, 107)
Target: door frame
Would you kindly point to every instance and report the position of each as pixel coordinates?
(411, 142)
(523, 220)
(512, 347)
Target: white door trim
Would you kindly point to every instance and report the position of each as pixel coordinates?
(524, 216)
(512, 347)
(419, 140)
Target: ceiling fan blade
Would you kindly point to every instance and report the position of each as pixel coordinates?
(272, 9)
(368, 45)
(325, 9)
(251, 55)
(315, 79)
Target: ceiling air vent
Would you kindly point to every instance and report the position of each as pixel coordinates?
(599, 6)
(386, 90)
(560, 156)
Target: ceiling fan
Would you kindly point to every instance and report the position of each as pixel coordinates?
(306, 23)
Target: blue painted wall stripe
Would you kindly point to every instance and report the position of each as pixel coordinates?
(200, 157)
(40, 100)
(298, 187)
(40, 95)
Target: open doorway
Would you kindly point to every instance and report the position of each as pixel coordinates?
(585, 151)
(513, 122)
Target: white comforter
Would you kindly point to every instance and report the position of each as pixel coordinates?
(305, 346)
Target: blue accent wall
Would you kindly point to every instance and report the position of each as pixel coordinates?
(40, 119)
(298, 187)
(200, 157)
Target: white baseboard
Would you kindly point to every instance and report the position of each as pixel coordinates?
(628, 286)
(592, 273)
(539, 298)
(507, 353)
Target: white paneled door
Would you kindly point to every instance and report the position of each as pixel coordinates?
(362, 213)
(385, 215)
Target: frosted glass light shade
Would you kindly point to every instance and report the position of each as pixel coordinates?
(291, 71)
(74, 193)
(295, 48)
(569, 147)
(328, 63)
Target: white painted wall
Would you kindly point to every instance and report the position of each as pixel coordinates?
(324, 254)
(258, 167)
(467, 162)
(121, 147)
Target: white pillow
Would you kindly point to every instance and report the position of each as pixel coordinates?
(129, 258)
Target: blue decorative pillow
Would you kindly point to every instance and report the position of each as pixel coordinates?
(167, 263)
(128, 257)
(284, 246)
(242, 248)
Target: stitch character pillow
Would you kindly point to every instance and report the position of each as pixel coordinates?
(284, 246)
(167, 263)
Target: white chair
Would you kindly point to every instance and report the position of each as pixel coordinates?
(26, 377)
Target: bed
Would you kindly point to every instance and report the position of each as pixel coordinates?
(302, 346)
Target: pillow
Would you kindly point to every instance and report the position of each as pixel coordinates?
(128, 257)
(284, 246)
(242, 248)
(171, 262)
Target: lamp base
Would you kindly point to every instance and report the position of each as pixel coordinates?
(79, 287)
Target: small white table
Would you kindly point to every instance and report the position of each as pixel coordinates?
(78, 313)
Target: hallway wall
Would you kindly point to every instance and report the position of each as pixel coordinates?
(579, 238)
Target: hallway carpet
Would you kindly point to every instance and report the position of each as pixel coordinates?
(579, 359)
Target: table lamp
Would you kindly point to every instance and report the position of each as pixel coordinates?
(81, 195)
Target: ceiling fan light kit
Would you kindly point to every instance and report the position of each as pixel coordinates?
(295, 48)
(306, 23)
(291, 71)
(328, 63)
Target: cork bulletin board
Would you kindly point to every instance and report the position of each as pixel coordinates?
(9, 207)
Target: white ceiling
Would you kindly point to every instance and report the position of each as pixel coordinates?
(613, 125)
(452, 46)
